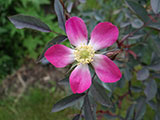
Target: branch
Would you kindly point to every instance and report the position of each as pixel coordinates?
(132, 33)
(113, 54)
(67, 15)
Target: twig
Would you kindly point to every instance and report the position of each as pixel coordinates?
(67, 15)
(109, 113)
(21, 80)
(129, 88)
(113, 54)
(56, 32)
(120, 99)
(132, 33)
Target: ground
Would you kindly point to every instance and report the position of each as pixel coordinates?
(30, 93)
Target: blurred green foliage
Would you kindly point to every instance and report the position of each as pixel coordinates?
(36, 105)
(15, 44)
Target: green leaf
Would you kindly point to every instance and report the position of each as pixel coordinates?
(140, 108)
(151, 89)
(88, 113)
(155, 4)
(55, 40)
(143, 74)
(60, 14)
(130, 112)
(67, 102)
(99, 93)
(138, 10)
(23, 21)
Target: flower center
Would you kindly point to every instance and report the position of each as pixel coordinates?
(84, 54)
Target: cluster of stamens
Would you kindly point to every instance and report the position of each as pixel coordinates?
(84, 54)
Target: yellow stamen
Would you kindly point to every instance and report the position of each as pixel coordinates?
(84, 54)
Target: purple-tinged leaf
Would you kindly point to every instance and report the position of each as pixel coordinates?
(138, 36)
(155, 4)
(69, 7)
(138, 10)
(140, 108)
(157, 116)
(99, 93)
(82, 1)
(55, 40)
(23, 21)
(152, 104)
(77, 117)
(88, 112)
(130, 112)
(60, 14)
(151, 89)
(156, 75)
(136, 89)
(137, 23)
(154, 22)
(124, 24)
(127, 74)
(143, 74)
(158, 94)
(67, 102)
(121, 83)
(154, 25)
(155, 67)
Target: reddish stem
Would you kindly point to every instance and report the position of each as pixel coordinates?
(132, 53)
(121, 99)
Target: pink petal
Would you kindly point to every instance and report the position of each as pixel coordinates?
(106, 69)
(80, 79)
(104, 35)
(59, 55)
(76, 31)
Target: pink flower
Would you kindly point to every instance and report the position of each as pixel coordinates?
(102, 36)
